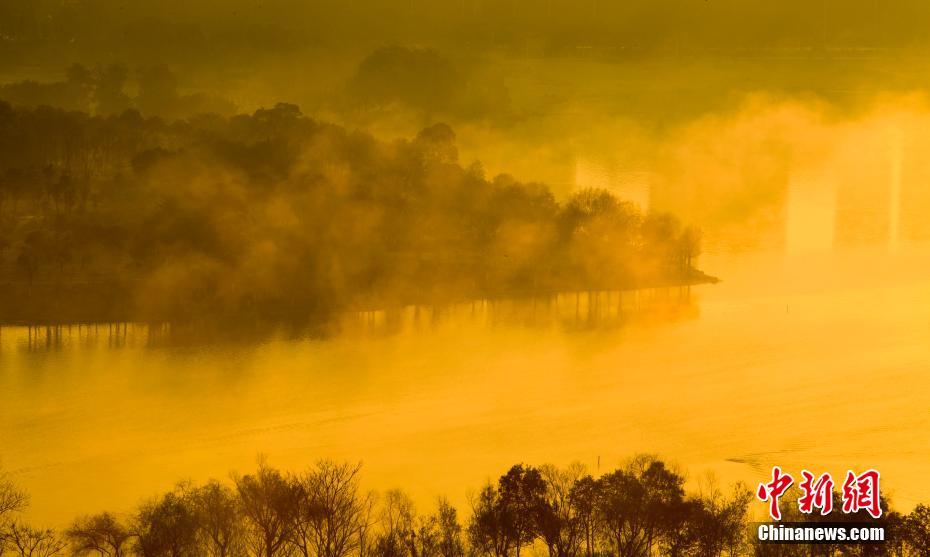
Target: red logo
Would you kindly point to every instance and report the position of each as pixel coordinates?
(773, 490)
(859, 493)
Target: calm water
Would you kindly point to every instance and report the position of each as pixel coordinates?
(813, 352)
(814, 360)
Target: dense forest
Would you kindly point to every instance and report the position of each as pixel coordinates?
(276, 216)
(639, 509)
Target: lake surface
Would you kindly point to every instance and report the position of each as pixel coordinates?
(817, 361)
(813, 352)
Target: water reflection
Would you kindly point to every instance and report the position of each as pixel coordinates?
(812, 353)
(805, 190)
(573, 311)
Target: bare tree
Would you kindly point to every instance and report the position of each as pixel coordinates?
(100, 534)
(584, 497)
(26, 541)
(560, 524)
(486, 529)
(367, 519)
(331, 513)
(219, 519)
(397, 520)
(12, 501)
(267, 504)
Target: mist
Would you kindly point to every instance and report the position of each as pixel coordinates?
(491, 231)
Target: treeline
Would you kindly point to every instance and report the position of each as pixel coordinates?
(104, 90)
(420, 80)
(274, 216)
(638, 510)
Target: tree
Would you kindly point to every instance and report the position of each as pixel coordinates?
(397, 536)
(328, 511)
(689, 248)
(219, 519)
(558, 520)
(717, 523)
(26, 541)
(522, 496)
(450, 531)
(418, 78)
(637, 505)
(101, 534)
(916, 530)
(12, 501)
(505, 519)
(437, 144)
(167, 527)
(267, 504)
(367, 520)
(584, 497)
(486, 532)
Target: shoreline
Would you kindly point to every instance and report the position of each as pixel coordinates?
(113, 314)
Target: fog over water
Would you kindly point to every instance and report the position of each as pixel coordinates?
(811, 353)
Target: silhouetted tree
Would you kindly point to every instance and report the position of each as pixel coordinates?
(327, 511)
(522, 496)
(450, 543)
(272, 216)
(558, 520)
(219, 520)
(584, 498)
(100, 534)
(398, 527)
(717, 522)
(487, 533)
(267, 500)
(167, 527)
(26, 541)
(12, 501)
(636, 505)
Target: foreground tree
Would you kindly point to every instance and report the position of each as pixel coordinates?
(713, 523)
(916, 530)
(100, 534)
(12, 501)
(584, 498)
(450, 531)
(327, 511)
(487, 534)
(637, 505)
(219, 520)
(559, 520)
(167, 527)
(523, 497)
(398, 530)
(25, 541)
(267, 500)
(506, 519)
